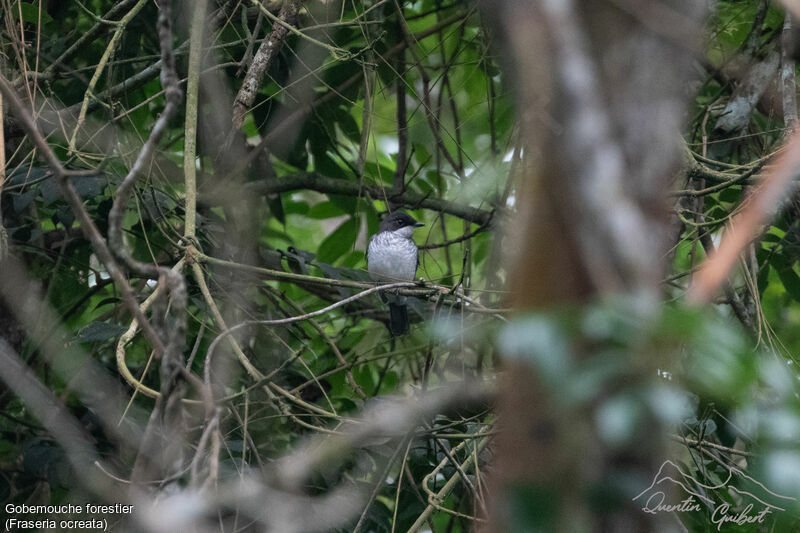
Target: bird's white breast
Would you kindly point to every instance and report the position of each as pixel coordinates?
(391, 257)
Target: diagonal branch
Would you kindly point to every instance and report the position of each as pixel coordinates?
(320, 183)
(301, 113)
(266, 54)
(173, 97)
(758, 208)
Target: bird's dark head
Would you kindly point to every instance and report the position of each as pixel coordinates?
(398, 221)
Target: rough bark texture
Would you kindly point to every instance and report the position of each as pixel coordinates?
(324, 184)
(601, 95)
(266, 54)
(736, 114)
(788, 83)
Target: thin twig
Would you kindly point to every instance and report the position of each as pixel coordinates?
(306, 316)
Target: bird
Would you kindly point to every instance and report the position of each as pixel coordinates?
(393, 256)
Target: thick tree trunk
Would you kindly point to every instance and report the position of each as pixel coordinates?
(601, 93)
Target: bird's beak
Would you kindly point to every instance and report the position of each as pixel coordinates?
(418, 225)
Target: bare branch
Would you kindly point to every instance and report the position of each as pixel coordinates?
(317, 182)
(266, 54)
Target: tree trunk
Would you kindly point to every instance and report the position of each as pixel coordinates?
(601, 94)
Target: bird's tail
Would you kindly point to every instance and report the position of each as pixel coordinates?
(398, 318)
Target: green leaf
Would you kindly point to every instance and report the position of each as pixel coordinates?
(339, 242)
(295, 208)
(50, 191)
(789, 278)
(27, 174)
(763, 278)
(65, 216)
(23, 200)
(107, 301)
(30, 13)
(347, 204)
(378, 173)
(44, 459)
(731, 194)
(325, 210)
(347, 124)
(89, 187)
(100, 331)
(421, 154)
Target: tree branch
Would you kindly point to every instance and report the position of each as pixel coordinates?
(266, 54)
(317, 182)
(299, 114)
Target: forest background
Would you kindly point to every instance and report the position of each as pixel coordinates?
(610, 281)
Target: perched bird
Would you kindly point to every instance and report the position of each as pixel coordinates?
(393, 256)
